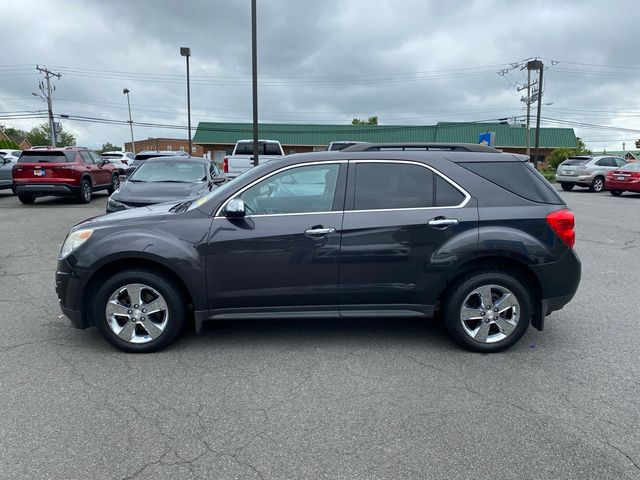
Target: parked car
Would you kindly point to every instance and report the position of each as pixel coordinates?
(166, 179)
(586, 171)
(140, 158)
(10, 154)
(336, 146)
(624, 179)
(241, 159)
(68, 171)
(8, 158)
(479, 236)
(119, 158)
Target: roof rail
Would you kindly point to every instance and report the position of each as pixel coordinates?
(449, 147)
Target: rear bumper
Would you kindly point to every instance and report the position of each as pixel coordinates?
(46, 188)
(626, 186)
(559, 281)
(578, 179)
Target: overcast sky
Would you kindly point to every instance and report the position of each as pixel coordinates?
(407, 61)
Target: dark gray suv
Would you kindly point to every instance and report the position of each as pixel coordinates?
(476, 236)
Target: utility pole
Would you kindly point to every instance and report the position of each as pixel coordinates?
(528, 111)
(537, 65)
(47, 75)
(186, 52)
(254, 81)
(126, 91)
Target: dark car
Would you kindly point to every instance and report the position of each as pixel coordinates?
(166, 179)
(478, 236)
(141, 157)
(68, 171)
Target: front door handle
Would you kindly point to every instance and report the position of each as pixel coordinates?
(442, 222)
(319, 231)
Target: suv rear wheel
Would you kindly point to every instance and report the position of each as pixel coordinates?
(616, 193)
(26, 198)
(597, 185)
(84, 195)
(567, 186)
(139, 311)
(488, 312)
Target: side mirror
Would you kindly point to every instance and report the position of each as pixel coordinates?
(235, 208)
(6, 160)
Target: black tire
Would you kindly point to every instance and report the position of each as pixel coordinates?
(26, 198)
(458, 293)
(615, 193)
(567, 186)
(85, 193)
(115, 183)
(177, 311)
(597, 185)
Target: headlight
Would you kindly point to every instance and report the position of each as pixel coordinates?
(115, 204)
(74, 240)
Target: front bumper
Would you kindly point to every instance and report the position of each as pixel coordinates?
(69, 284)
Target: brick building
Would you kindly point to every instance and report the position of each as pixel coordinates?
(219, 138)
(175, 144)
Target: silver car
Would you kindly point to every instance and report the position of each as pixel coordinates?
(586, 171)
(8, 159)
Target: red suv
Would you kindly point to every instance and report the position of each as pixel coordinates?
(69, 171)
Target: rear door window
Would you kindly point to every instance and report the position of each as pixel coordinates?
(380, 185)
(519, 178)
(86, 158)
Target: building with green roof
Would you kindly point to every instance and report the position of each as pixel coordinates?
(219, 138)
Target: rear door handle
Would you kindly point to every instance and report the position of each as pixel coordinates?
(319, 231)
(442, 222)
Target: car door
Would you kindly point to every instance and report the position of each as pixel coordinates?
(404, 225)
(103, 170)
(282, 257)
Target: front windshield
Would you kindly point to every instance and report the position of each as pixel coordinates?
(170, 170)
(222, 189)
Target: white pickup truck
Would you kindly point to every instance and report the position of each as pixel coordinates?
(241, 159)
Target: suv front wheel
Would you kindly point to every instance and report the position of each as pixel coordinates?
(488, 312)
(139, 311)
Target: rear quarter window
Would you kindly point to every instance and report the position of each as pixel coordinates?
(519, 178)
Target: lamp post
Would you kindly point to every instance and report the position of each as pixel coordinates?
(186, 52)
(254, 80)
(125, 91)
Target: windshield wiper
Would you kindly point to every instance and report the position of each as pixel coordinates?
(172, 181)
(136, 180)
(180, 207)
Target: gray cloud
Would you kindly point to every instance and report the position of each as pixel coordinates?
(322, 61)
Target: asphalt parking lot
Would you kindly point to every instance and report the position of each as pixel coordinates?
(321, 399)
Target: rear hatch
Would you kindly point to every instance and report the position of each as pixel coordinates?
(44, 166)
(572, 165)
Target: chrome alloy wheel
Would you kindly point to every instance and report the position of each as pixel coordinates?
(86, 191)
(598, 184)
(137, 313)
(490, 313)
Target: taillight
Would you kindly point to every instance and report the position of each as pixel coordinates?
(563, 222)
(225, 165)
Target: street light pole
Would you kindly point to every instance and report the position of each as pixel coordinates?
(186, 52)
(125, 91)
(254, 81)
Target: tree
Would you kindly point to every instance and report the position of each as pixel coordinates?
(107, 147)
(14, 134)
(370, 121)
(559, 155)
(40, 136)
(9, 144)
